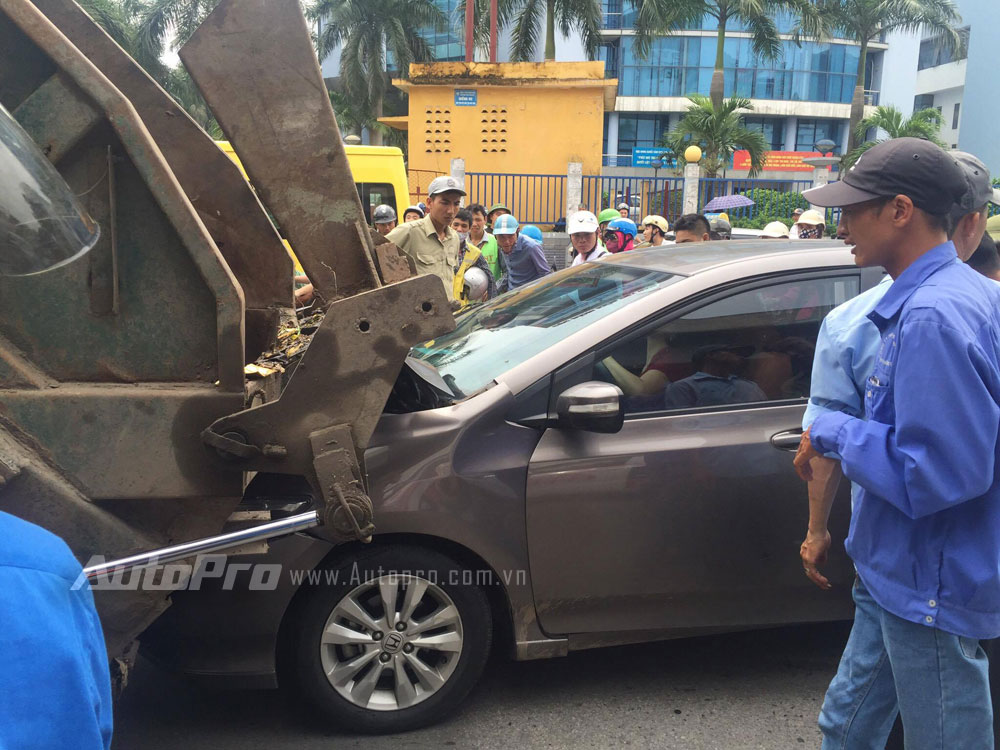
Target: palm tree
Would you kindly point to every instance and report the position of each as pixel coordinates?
(865, 21)
(657, 17)
(719, 131)
(142, 29)
(924, 123)
(366, 31)
(582, 15)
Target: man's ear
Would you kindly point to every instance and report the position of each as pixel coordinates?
(902, 209)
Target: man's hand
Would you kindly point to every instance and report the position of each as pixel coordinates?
(803, 456)
(813, 553)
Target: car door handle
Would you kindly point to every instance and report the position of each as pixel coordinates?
(787, 440)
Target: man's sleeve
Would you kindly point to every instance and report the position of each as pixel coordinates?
(833, 388)
(400, 236)
(942, 448)
(540, 262)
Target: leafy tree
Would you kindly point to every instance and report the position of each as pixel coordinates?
(925, 123)
(864, 21)
(658, 17)
(366, 31)
(719, 131)
(352, 119)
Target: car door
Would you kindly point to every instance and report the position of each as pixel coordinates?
(691, 516)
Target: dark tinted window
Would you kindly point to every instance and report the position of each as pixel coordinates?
(753, 346)
(374, 194)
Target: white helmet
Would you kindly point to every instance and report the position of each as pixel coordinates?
(582, 221)
(476, 284)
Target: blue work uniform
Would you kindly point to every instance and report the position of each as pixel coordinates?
(55, 688)
(925, 531)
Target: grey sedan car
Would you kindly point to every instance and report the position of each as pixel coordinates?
(603, 457)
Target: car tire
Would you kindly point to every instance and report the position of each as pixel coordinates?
(421, 678)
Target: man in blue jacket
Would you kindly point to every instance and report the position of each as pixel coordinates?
(925, 531)
(522, 258)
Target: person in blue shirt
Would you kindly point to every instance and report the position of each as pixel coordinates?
(523, 260)
(925, 531)
(55, 687)
(716, 380)
(845, 356)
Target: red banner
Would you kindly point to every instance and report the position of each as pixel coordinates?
(777, 161)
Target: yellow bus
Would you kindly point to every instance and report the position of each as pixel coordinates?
(378, 172)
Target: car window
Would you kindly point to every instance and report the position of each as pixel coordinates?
(375, 194)
(751, 347)
(496, 336)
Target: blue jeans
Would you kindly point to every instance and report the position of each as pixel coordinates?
(936, 680)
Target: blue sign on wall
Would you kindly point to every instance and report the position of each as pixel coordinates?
(466, 97)
(643, 157)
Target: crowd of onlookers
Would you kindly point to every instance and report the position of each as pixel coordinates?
(480, 252)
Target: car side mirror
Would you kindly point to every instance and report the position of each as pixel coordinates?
(593, 406)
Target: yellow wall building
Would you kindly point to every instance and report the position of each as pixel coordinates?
(510, 118)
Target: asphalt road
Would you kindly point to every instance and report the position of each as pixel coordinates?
(733, 692)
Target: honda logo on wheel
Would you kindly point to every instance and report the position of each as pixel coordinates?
(393, 642)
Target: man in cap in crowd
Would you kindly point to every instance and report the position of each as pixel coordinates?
(582, 229)
(720, 228)
(774, 230)
(619, 237)
(796, 215)
(604, 218)
(497, 209)
(924, 537)
(623, 210)
(691, 228)
(412, 213)
(431, 243)
(384, 219)
(810, 225)
(482, 239)
(654, 230)
(523, 256)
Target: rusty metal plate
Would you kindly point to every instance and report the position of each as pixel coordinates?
(224, 201)
(345, 376)
(254, 63)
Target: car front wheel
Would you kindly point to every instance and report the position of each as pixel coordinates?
(392, 641)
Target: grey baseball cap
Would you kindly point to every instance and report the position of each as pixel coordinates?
(445, 184)
(979, 187)
(921, 170)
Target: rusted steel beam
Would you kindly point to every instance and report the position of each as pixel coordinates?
(255, 65)
(225, 203)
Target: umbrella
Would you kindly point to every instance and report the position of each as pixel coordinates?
(727, 201)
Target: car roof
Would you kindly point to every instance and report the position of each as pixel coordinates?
(691, 258)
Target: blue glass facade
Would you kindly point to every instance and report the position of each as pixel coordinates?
(682, 65)
(447, 42)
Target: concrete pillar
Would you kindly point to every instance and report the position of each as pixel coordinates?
(574, 187)
(458, 169)
(821, 176)
(458, 172)
(691, 175)
(791, 126)
(612, 147)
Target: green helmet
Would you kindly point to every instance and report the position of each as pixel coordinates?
(608, 214)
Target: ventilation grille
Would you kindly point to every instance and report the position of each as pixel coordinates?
(437, 131)
(493, 129)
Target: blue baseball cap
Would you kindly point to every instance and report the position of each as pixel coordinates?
(505, 224)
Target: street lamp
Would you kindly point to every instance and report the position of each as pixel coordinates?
(825, 146)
